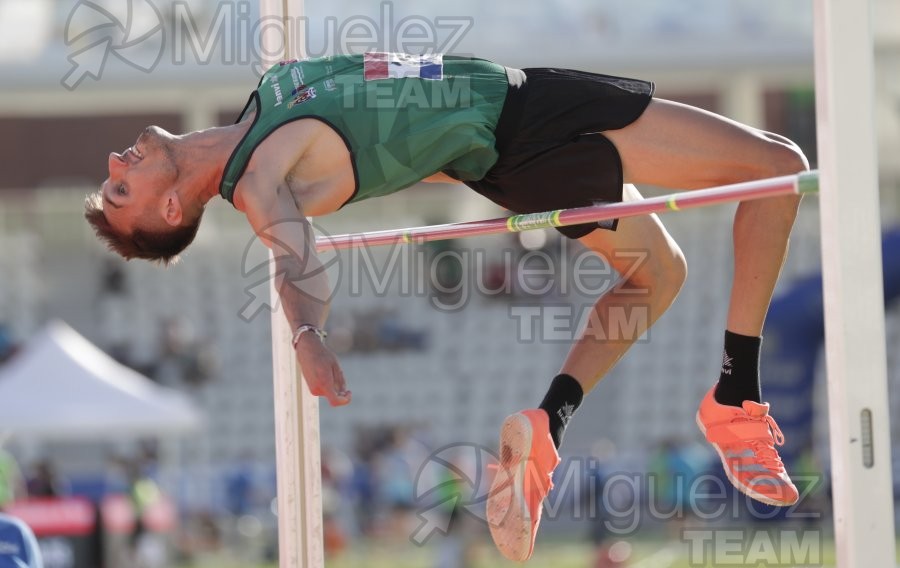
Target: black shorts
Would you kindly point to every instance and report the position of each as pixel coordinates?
(552, 155)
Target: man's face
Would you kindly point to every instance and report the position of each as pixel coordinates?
(138, 178)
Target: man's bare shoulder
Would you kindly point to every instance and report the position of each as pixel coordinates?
(279, 153)
(305, 157)
(271, 163)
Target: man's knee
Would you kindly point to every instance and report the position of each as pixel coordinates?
(774, 156)
(661, 274)
(783, 157)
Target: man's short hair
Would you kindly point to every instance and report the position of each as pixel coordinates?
(158, 246)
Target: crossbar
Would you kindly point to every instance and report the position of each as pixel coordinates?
(806, 182)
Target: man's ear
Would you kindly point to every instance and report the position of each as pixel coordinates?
(172, 210)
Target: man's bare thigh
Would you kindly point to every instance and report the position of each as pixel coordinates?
(678, 146)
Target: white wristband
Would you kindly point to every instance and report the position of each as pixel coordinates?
(303, 329)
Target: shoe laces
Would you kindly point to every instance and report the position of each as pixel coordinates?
(764, 448)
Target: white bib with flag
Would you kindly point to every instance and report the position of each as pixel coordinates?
(379, 65)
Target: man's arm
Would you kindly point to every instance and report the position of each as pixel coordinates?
(301, 282)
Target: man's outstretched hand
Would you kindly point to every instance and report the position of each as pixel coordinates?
(322, 371)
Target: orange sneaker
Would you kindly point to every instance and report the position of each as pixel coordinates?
(527, 460)
(745, 440)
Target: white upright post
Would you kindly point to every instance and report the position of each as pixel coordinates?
(853, 290)
(298, 458)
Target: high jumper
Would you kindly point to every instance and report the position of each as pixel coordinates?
(321, 133)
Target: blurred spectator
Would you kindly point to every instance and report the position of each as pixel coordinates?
(394, 335)
(362, 485)
(808, 473)
(113, 310)
(336, 469)
(398, 467)
(143, 493)
(377, 329)
(674, 467)
(12, 485)
(113, 280)
(239, 486)
(199, 534)
(446, 270)
(341, 329)
(604, 506)
(183, 358)
(498, 277)
(397, 472)
(453, 492)
(45, 481)
(8, 345)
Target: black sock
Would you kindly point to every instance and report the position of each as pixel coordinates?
(739, 378)
(561, 401)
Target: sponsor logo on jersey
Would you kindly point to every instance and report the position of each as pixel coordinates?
(302, 95)
(330, 84)
(297, 76)
(276, 88)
